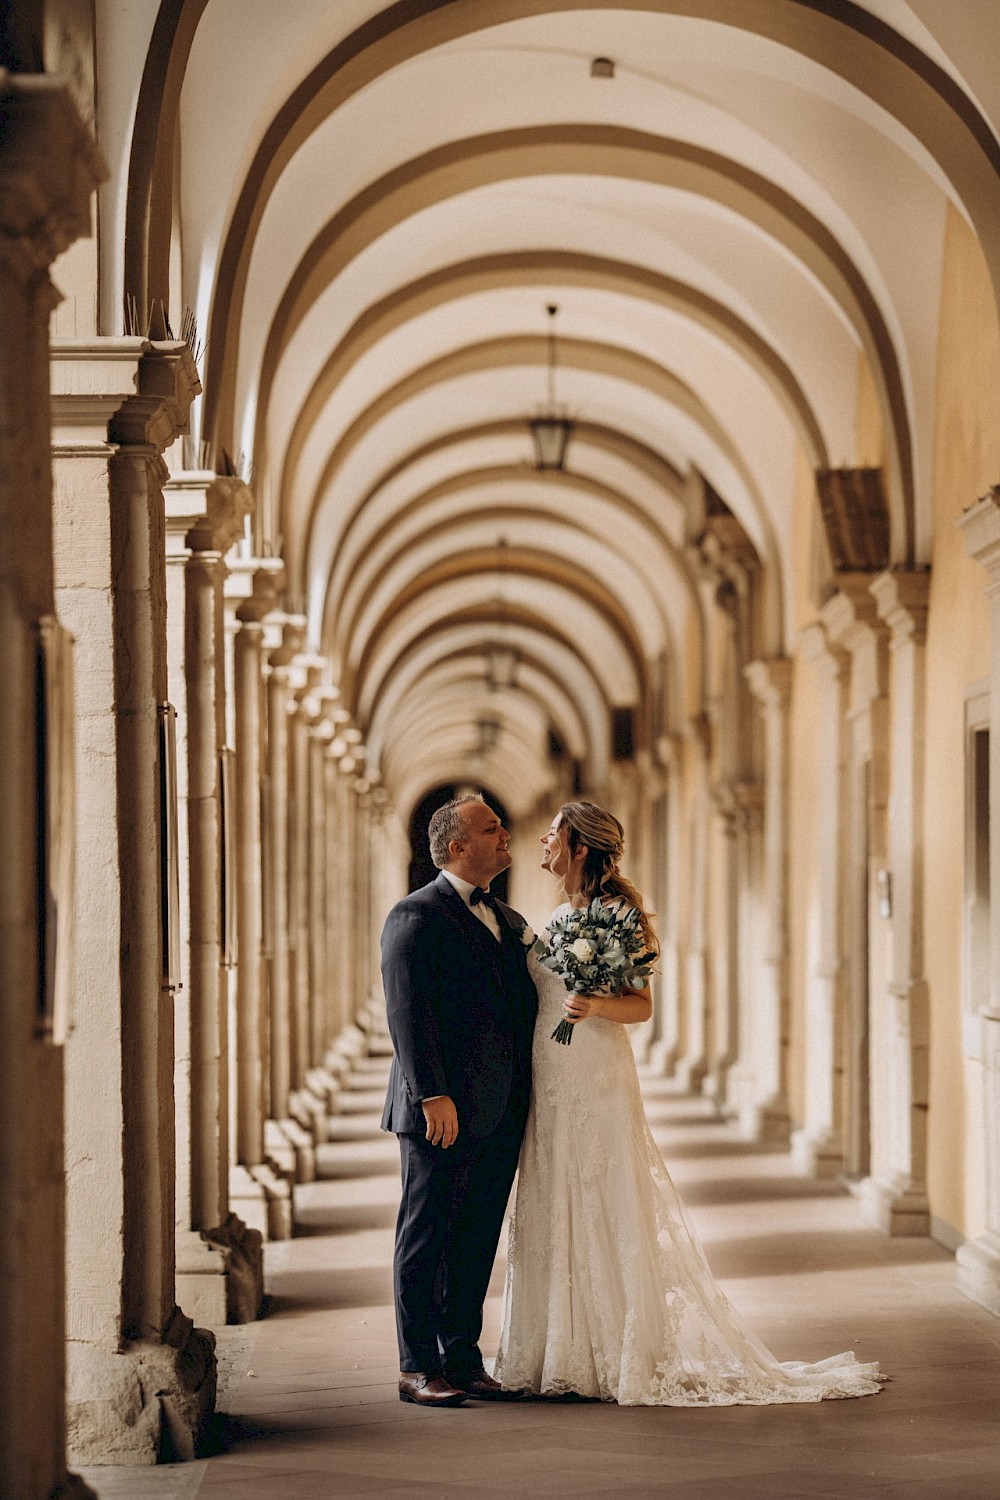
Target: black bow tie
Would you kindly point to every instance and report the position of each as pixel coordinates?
(477, 894)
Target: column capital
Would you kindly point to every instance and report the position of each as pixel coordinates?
(902, 597)
(130, 391)
(210, 508)
(821, 648)
(259, 581)
(770, 680)
(293, 637)
(813, 643)
(49, 167)
(981, 526)
(667, 749)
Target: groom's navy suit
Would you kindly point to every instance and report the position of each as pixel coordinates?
(461, 1011)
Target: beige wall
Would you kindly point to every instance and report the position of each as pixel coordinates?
(967, 462)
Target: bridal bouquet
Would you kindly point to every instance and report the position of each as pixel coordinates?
(594, 950)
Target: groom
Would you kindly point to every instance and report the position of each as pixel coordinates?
(461, 1010)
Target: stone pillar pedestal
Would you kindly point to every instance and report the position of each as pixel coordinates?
(205, 517)
(979, 1260)
(760, 1081)
(894, 1197)
(49, 168)
(117, 404)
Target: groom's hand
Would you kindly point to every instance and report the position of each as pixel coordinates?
(442, 1120)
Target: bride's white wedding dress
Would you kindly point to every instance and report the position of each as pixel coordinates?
(608, 1291)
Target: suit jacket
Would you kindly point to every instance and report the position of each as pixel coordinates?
(461, 1009)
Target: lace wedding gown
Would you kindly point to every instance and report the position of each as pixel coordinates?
(608, 1291)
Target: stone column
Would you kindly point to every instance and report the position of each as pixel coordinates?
(817, 1148)
(262, 1196)
(220, 1264)
(761, 1085)
(117, 404)
(301, 712)
(48, 169)
(894, 1197)
(286, 1143)
(351, 1038)
(321, 1082)
(341, 1044)
(666, 1048)
(692, 1065)
(310, 1092)
(979, 1259)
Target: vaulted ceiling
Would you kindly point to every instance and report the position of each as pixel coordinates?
(370, 207)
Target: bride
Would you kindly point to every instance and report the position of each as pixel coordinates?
(608, 1291)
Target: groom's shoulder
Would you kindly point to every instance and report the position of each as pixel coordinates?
(419, 904)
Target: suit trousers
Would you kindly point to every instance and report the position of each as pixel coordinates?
(450, 1217)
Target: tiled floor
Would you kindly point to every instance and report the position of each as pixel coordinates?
(310, 1399)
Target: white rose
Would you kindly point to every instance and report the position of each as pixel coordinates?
(527, 936)
(582, 949)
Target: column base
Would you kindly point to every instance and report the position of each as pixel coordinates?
(290, 1149)
(243, 1249)
(815, 1154)
(310, 1111)
(145, 1405)
(325, 1086)
(248, 1200)
(764, 1120)
(895, 1207)
(662, 1059)
(350, 1044)
(690, 1073)
(978, 1274)
(278, 1192)
(200, 1279)
(73, 1488)
(715, 1086)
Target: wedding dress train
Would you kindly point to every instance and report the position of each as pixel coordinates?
(608, 1291)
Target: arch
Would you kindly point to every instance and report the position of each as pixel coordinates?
(149, 199)
(587, 355)
(839, 35)
(590, 519)
(610, 152)
(457, 587)
(527, 268)
(551, 657)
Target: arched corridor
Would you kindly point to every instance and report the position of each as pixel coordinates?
(555, 397)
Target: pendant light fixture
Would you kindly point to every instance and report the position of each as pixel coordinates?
(551, 432)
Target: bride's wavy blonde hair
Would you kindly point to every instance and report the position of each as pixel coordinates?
(604, 837)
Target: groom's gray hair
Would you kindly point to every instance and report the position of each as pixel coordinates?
(447, 824)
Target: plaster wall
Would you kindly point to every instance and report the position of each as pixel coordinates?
(967, 462)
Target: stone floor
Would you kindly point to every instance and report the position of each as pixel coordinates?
(309, 1398)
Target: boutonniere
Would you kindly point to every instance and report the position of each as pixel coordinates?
(527, 936)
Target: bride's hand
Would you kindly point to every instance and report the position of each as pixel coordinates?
(579, 1007)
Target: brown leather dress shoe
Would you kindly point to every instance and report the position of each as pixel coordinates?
(428, 1390)
(482, 1387)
